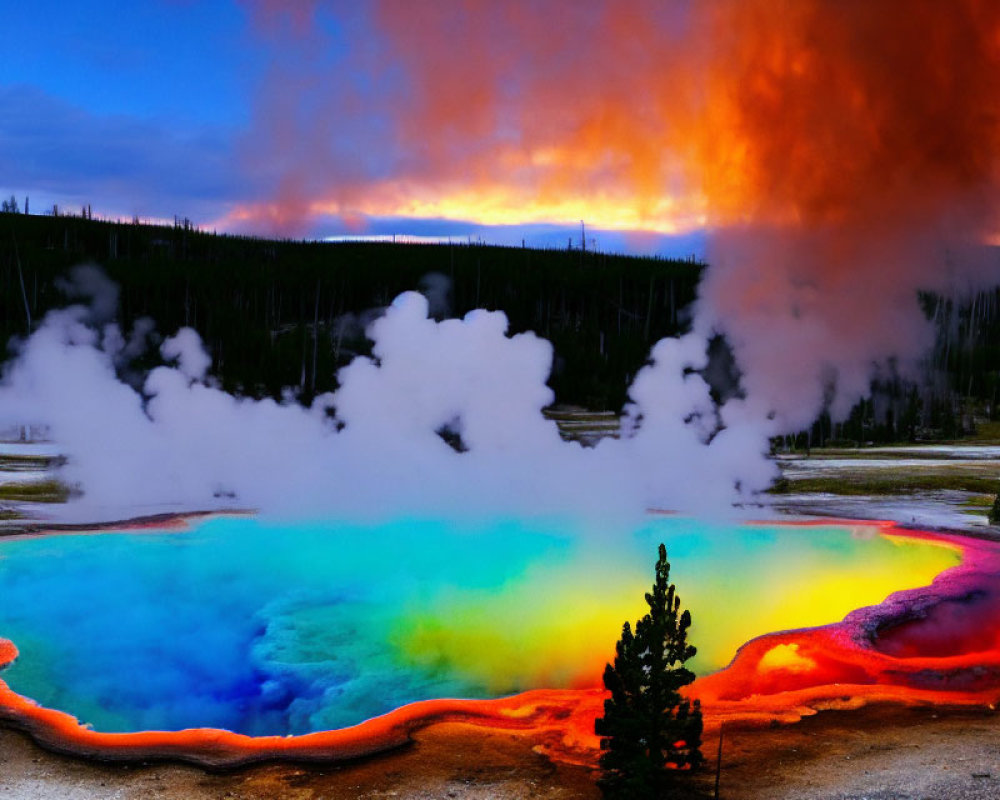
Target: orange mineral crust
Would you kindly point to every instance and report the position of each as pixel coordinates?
(938, 644)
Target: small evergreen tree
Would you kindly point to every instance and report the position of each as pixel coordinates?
(994, 512)
(648, 731)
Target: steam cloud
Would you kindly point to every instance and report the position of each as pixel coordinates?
(373, 448)
(867, 138)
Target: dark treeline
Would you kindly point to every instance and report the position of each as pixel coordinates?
(967, 346)
(277, 314)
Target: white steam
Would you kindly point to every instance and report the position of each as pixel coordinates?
(185, 347)
(813, 316)
(373, 448)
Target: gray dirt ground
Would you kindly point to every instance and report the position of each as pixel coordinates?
(878, 754)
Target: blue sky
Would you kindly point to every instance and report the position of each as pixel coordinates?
(310, 119)
(182, 62)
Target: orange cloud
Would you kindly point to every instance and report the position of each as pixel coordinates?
(794, 112)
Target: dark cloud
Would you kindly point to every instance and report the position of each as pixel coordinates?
(121, 164)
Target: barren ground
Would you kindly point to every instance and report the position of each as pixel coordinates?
(875, 753)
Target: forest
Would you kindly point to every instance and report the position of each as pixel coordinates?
(276, 314)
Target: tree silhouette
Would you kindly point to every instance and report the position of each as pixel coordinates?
(648, 731)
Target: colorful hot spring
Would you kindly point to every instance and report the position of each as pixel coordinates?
(264, 628)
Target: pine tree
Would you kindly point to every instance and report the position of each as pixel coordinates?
(648, 731)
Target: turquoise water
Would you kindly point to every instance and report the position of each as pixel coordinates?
(264, 628)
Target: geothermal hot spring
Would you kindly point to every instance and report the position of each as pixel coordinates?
(272, 629)
(268, 629)
(391, 580)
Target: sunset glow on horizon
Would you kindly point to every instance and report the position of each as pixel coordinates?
(497, 206)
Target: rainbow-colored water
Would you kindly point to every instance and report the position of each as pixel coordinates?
(275, 629)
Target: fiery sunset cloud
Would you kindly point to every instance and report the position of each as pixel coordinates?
(501, 114)
(637, 114)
